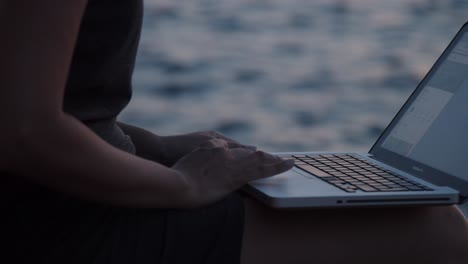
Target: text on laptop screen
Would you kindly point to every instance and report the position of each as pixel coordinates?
(434, 128)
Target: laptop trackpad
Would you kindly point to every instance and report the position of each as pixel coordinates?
(294, 182)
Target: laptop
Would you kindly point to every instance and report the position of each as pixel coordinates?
(421, 158)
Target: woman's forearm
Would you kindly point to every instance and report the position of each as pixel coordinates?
(65, 155)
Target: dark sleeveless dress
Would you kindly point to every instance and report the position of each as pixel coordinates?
(42, 226)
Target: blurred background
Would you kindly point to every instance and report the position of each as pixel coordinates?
(286, 75)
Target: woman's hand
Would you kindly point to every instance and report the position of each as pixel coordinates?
(218, 167)
(176, 147)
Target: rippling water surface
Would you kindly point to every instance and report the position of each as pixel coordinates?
(286, 75)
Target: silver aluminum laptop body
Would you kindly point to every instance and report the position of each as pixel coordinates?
(427, 142)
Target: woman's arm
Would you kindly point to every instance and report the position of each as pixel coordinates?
(48, 146)
(52, 148)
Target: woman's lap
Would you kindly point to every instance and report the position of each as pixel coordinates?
(46, 227)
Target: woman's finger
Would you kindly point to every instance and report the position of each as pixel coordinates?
(267, 170)
(235, 144)
(221, 143)
(262, 157)
(214, 143)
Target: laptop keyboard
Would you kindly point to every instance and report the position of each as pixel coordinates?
(351, 173)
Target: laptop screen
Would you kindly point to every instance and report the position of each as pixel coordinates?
(430, 134)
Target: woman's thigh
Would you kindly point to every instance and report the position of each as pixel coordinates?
(384, 235)
(46, 227)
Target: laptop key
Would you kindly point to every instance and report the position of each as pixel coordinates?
(405, 183)
(337, 182)
(346, 187)
(313, 170)
(327, 155)
(393, 185)
(329, 178)
(384, 189)
(367, 188)
(299, 156)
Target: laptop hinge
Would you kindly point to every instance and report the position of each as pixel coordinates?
(463, 199)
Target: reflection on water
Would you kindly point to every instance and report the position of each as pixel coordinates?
(286, 75)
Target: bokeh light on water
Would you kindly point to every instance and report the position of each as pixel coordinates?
(286, 75)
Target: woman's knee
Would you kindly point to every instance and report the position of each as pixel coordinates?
(445, 232)
(411, 235)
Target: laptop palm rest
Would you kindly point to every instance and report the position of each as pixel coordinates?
(297, 189)
(295, 183)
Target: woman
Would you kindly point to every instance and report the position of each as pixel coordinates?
(80, 187)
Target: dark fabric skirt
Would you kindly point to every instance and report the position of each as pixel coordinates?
(47, 227)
